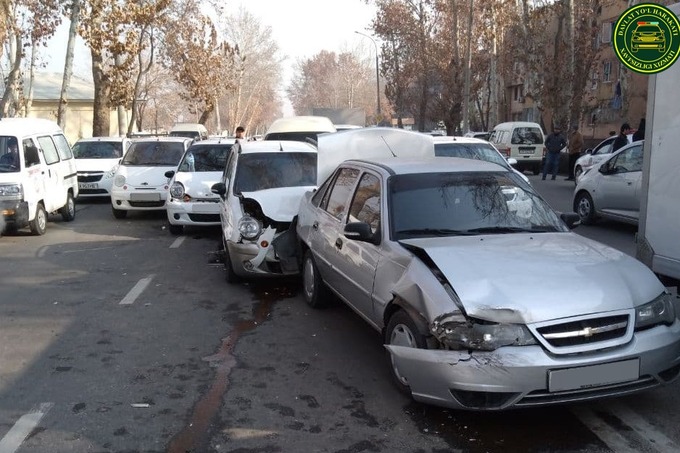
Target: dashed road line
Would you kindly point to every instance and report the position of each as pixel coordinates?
(23, 427)
(136, 291)
(178, 242)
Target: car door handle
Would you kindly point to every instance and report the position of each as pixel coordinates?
(315, 226)
(630, 183)
(338, 243)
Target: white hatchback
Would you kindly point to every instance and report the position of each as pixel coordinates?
(190, 201)
(97, 160)
(140, 183)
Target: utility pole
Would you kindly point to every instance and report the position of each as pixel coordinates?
(377, 73)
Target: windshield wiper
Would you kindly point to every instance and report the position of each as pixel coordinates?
(435, 232)
(508, 229)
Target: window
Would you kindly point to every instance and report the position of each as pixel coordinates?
(366, 204)
(49, 150)
(628, 161)
(607, 32)
(336, 205)
(31, 156)
(63, 147)
(527, 136)
(607, 71)
(262, 171)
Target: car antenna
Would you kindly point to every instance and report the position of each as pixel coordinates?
(280, 146)
(388, 146)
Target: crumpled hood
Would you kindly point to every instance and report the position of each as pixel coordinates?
(527, 278)
(280, 204)
(87, 165)
(145, 176)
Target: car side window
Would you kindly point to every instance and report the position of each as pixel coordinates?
(63, 147)
(320, 193)
(49, 150)
(628, 161)
(366, 203)
(31, 156)
(339, 194)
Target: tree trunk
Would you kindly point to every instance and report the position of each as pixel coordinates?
(68, 63)
(468, 70)
(101, 122)
(14, 77)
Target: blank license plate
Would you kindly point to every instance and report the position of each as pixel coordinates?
(526, 150)
(145, 197)
(593, 376)
(88, 185)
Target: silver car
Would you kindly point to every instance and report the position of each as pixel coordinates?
(611, 189)
(484, 297)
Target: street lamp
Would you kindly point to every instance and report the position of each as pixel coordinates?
(377, 68)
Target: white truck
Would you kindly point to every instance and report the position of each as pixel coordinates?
(658, 238)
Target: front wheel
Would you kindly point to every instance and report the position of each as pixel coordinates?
(39, 223)
(68, 211)
(402, 331)
(585, 208)
(314, 289)
(176, 230)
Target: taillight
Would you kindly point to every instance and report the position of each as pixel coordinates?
(504, 151)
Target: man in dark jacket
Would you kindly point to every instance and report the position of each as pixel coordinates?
(621, 139)
(554, 144)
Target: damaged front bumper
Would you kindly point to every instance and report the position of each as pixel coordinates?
(271, 254)
(522, 376)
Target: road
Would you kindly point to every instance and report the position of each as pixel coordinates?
(116, 336)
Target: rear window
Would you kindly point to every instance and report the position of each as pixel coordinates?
(98, 150)
(526, 136)
(202, 158)
(261, 171)
(479, 151)
(154, 154)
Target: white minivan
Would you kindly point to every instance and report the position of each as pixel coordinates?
(521, 140)
(37, 174)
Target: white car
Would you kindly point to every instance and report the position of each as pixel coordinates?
(260, 193)
(611, 188)
(190, 201)
(594, 156)
(140, 183)
(97, 160)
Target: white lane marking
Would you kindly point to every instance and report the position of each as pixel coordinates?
(178, 242)
(22, 428)
(648, 432)
(615, 441)
(136, 291)
(42, 251)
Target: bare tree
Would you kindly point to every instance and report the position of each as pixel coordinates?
(74, 15)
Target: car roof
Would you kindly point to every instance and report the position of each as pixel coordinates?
(101, 139)
(216, 141)
(301, 124)
(407, 165)
(161, 139)
(27, 126)
(450, 139)
(268, 146)
(518, 124)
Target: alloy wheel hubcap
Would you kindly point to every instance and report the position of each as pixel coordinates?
(401, 336)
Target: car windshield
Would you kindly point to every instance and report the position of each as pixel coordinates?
(648, 29)
(526, 136)
(202, 158)
(155, 153)
(261, 171)
(187, 134)
(465, 203)
(9, 155)
(479, 151)
(98, 150)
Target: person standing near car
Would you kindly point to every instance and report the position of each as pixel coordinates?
(621, 139)
(575, 147)
(554, 144)
(640, 132)
(239, 132)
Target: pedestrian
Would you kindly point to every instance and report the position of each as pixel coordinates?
(240, 131)
(621, 139)
(612, 133)
(640, 132)
(554, 144)
(575, 147)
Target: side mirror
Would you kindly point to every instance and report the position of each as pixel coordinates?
(359, 231)
(571, 219)
(512, 161)
(219, 188)
(589, 151)
(169, 174)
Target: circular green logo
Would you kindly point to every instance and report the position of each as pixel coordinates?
(647, 38)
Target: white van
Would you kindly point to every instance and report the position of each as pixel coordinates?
(196, 131)
(299, 128)
(37, 174)
(521, 140)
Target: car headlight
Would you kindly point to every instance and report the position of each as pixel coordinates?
(111, 173)
(456, 332)
(249, 227)
(658, 311)
(11, 192)
(119, 181)
(588, 161)
(177, 190)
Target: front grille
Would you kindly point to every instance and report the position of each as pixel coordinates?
(90, 177)
(147, 204)
(585, 331)
(215, 218)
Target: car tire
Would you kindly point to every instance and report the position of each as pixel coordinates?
(229, 275)
(38, 225)
(402, 331)
(68, 211)
(176, 230)
(314, 289)
(119, 213)
(585, 208)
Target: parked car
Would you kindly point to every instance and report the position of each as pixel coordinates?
(479, 135)
(474, 148)
(97, 160)
(484, 297)
(260, 192)
(522, 140)
(611, 189)
(37, 174)
(195, 131)
(190, 200)
(140, 183)
(595, 155)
